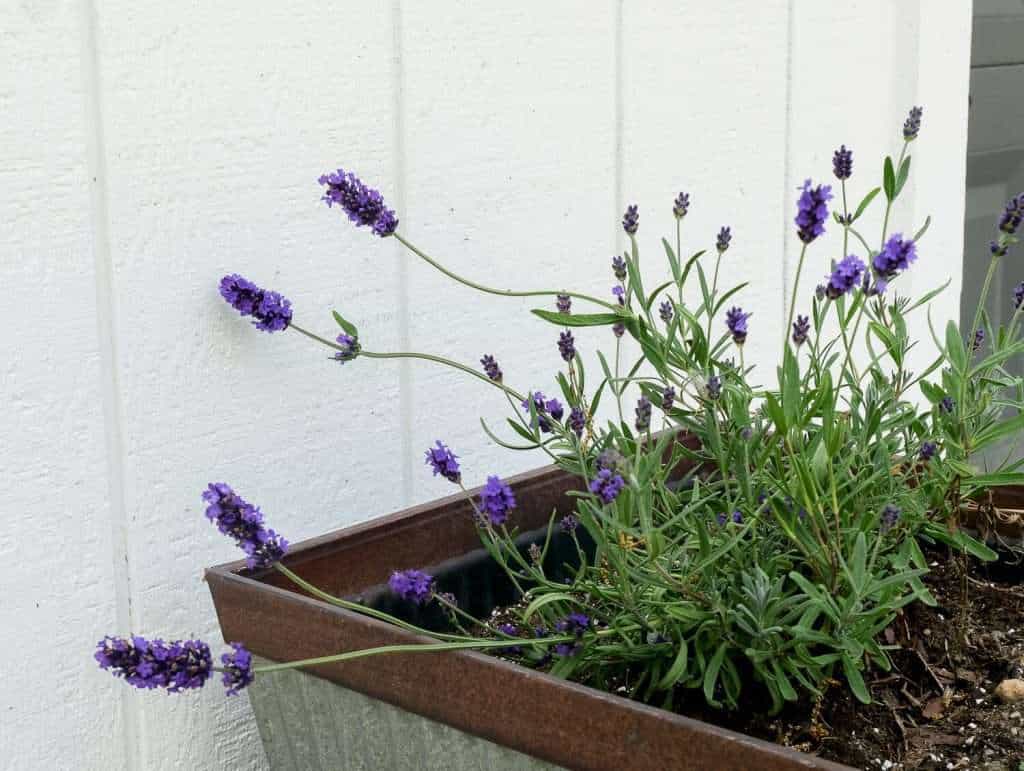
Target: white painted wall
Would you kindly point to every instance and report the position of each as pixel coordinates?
(147, 147)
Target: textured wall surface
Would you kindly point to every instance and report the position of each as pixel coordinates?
(147, 147)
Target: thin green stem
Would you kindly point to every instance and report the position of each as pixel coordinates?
(993, 263)
(491, 290)
(447, 362)
(414, 648)
(792, 299)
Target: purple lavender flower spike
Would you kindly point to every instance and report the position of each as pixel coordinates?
(237, 668)
(575, 624)
(801, 328)
(896, 256)
(979, 340)
(512, 631)
(681, 205)
(497, 500)
(845, 276)
(724, 239)
(842, 163)
(177, 666)
(737, 517)
(890, 516)
(577, 421)
(618, 329)
(736, 321)
(713, 387)
(270, 311)
(444, 462)
(927, 452)
(363, 205)
(619, 268)
(812, 210)
(567, 346)
(412, 585)
(619, 294)
(666, 311)
(569, 523)
(546, 410)
(244, 522)
(631, 219)
(643, 414)
(350, 346)
(491, 368)
(912, 125)
(1018, 295)
(668, 398)
(563, 303)
(607, 484)
(947, 405)
(1012, 215)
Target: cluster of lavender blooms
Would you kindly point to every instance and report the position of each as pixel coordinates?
(699, 391)
(175, 666)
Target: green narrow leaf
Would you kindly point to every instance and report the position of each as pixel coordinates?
(902, 175)
(888, 179)
(924, 229)
(579, 319)
(865, 202)
(673, 261)
(348, 326)
(955, 350)
(678, 668)
(711, 675)
(855, 680)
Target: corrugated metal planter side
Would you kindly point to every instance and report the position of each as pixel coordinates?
(474, 696)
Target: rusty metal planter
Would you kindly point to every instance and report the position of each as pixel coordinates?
(457, 710)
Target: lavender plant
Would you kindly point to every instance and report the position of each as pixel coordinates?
(728, 535)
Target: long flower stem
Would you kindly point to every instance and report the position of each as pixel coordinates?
(792, 299)
(363, 609)
(410, 355)
(413, 648)
(993, 263)
(491, 290)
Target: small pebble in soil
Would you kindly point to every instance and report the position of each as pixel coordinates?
(1010, 691)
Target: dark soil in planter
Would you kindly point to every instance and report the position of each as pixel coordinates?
(935, 709)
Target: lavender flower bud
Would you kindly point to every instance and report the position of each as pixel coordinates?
(736, 321)
(271, 312)
(444, 462)
(668, 398)
(177, 666)
(607, 484)
(496, 500)
(619, 268)
(801, 327)
(912, 125)
(564, 303)
(618, 329)
(1018, 295)
(569, 523)
(842, 163)
(1012, 215)
(845, 276)
(491, 368)
(350, 348)
(947, 405)
(567, 346)
(412, 585)
(643, 414)
(723, 240)
(890, 516)
(896, 256)
(979, 339)
(363, 205)
(928, 450)
(244, 523)
(681, 205)
(631, 219)
(812, 210)
(713, 387)
(577, 421)
(666, 311)
(237, 668)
